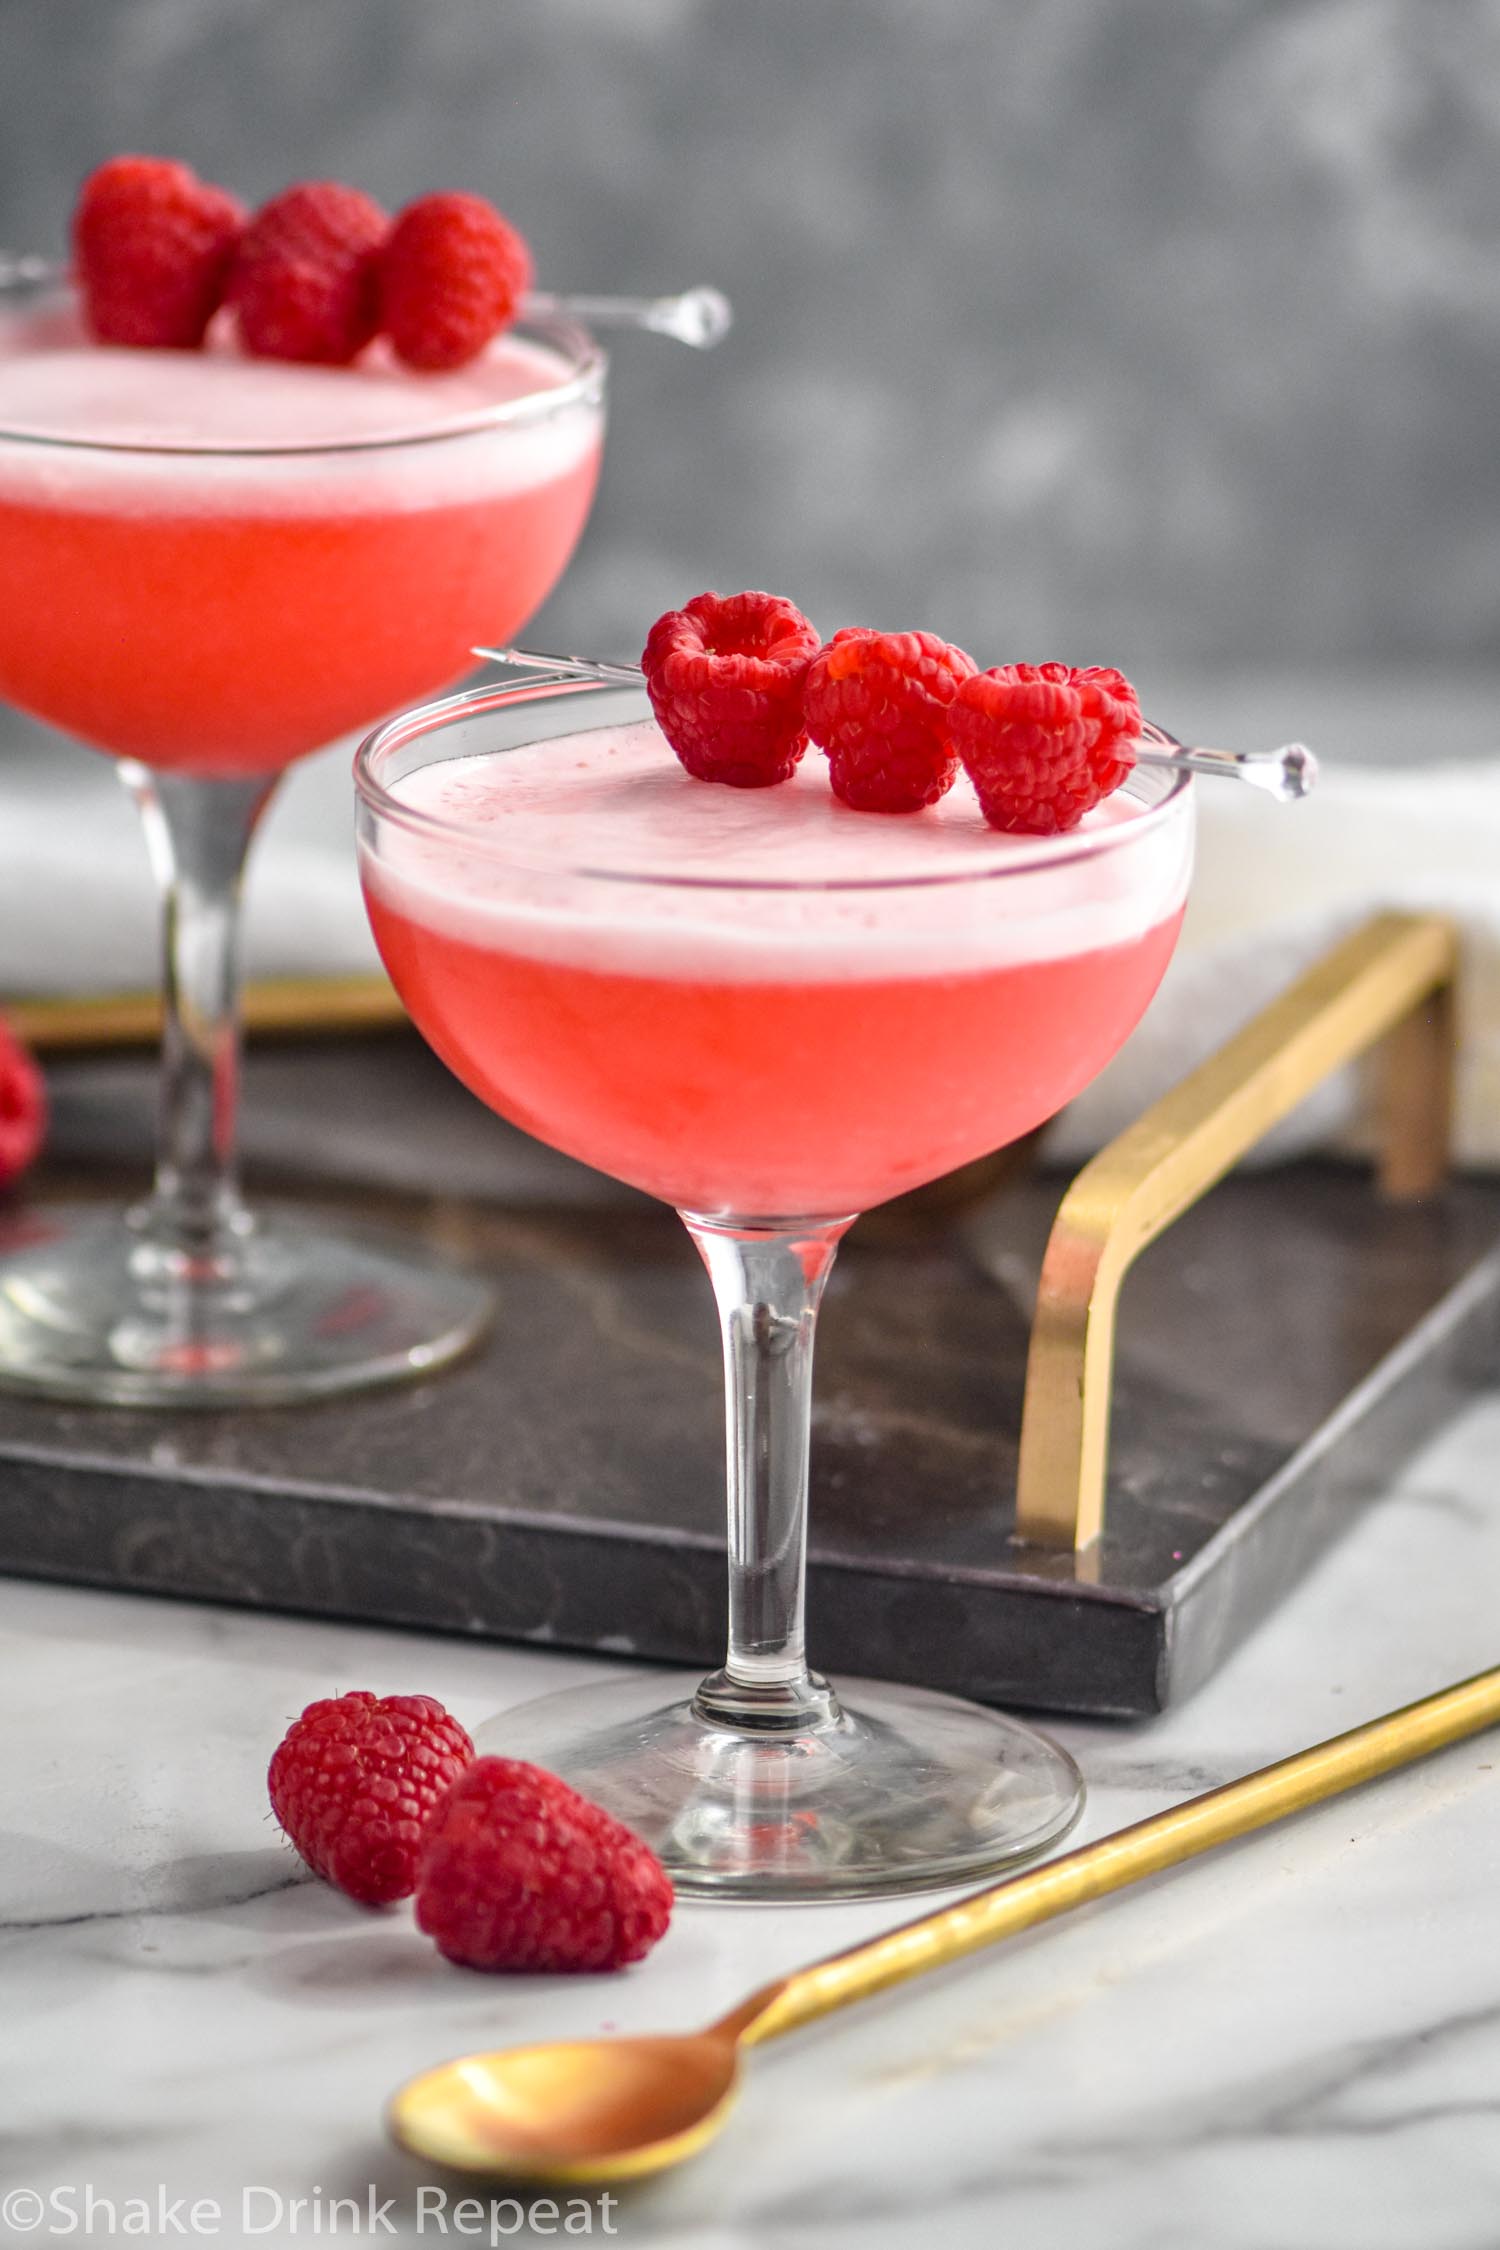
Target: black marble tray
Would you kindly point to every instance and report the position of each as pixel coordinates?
(1280, 1349)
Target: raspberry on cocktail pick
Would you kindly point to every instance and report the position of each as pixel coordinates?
(725, 676)
(1044, 743)
(875, 702)
(305, 284)
(452, 275)
(518, 1871)
(152, 249)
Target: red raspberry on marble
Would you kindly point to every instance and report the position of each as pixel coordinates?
(1043, 743)
(23, 1108)
(875, 702)
(355, 1781)
(306, 281)
(452, 275)
(520, 1872)
(152, 249)
(725, 675)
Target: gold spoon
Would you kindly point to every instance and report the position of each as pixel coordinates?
(587, 2111)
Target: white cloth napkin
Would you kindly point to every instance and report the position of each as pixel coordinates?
(78, 911)
(1275, 887)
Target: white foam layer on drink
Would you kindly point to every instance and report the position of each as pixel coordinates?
(59, 388)
(862, 895)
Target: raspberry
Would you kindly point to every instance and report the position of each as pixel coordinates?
(452, 275)
(306, 282)
(875, 703)
(152, 248)
(725, 675)
(356, 1779)
(520, 1872)
(1043, 743)
(23, 1108)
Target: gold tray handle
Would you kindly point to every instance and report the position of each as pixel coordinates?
(275, 1008)
(1392, 979)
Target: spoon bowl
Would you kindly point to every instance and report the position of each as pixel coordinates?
(580, 2112)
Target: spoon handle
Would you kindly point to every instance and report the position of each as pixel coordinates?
(1126, 1857)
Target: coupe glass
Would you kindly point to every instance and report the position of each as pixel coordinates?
(208, 613)
(767, 1053)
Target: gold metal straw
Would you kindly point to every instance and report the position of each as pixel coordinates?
(1128, 1856)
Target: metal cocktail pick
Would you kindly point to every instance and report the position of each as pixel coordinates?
(699, 317)
(596, 2110)
(1287, 773)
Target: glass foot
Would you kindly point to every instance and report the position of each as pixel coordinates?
(899, 1790)
(91, 1307)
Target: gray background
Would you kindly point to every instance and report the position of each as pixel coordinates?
(1159, 332)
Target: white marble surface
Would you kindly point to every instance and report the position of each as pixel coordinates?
(1294, 2044)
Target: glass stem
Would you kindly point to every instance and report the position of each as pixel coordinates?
(198, 833)
(768, 1282)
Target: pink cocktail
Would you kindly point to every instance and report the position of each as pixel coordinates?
(780, 1042)
(211, 566)
(216, 564)
(770, 1011)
